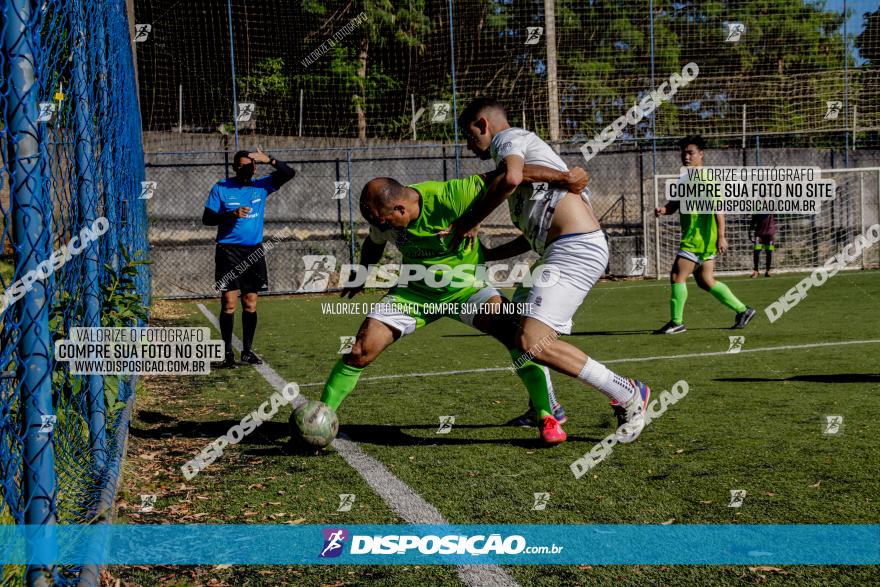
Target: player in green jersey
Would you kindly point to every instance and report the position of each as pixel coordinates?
(702, 238)
(410, 217)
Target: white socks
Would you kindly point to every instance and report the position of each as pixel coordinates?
(617, 388)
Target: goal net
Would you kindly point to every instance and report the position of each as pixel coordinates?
(803, 242)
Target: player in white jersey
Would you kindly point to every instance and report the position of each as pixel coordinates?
(562, 228)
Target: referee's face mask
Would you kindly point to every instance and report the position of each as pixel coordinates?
(245, 168)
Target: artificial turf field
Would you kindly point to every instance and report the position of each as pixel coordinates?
(751, 420)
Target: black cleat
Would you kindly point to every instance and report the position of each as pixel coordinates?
(530, 418)
(671, 328)
(743, 318)
(227, 363)
(251, 358)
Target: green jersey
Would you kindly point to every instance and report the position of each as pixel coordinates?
(699, 232)
(442, 203)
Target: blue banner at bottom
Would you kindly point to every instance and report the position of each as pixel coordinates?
(442, 544)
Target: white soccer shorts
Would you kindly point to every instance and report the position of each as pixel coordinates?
(579, 261)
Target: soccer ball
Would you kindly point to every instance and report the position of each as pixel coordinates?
(313, 426)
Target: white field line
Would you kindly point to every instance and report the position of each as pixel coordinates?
(627, 360)
(399, 496)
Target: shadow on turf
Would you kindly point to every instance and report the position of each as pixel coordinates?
(831, 378)
(277, 432)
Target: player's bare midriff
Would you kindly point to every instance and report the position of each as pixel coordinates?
(572, 216)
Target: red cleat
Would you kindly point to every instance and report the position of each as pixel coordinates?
(551, 432)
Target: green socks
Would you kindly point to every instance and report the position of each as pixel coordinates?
(536, 381)
(723, 294)
(340, 383)
(676, 302)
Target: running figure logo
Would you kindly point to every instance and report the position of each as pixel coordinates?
(834, 107)
(340, 189)
(47, 423)
(534, 34)
(833, 424)
(637, 266)
(735, 30)
(446, 423)
(736, 343)
(246, 111)
(346, 500)
(345, 344)
(541, 501)
(439, 111)
(737, 497)
(47, 111)
(317, 274)
(334, 538)
(539, 190)
(148, 503)
(142, 32)
(147, 189)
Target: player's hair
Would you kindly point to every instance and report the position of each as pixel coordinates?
(479, 106)
(697, 140)
(387, 191)
(236, 159)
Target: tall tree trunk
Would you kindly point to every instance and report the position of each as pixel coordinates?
(362, 99)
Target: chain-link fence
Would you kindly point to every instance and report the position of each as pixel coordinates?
(74, 247)
(317, 213)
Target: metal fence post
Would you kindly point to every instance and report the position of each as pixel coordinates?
(351, 236)
(454, 92)
(232, 63)
(31, 227)
(87, 199)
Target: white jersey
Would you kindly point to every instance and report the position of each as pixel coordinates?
(532, 204)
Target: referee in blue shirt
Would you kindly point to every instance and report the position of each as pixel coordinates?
(237, 206)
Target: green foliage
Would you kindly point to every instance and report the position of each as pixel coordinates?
(122, 304)
(867, 42)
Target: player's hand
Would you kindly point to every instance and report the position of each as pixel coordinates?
(722, 244)
(259, 156)
(459, 233)
(241, 212)
(661, 211)
(577, 179)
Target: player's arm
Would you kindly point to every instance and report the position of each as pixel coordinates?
(501, 188)
(722, 229)
(283, 172)
(371, 253)
(574, 180)
(517, 246)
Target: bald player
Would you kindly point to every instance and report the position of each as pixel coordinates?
(410, 217)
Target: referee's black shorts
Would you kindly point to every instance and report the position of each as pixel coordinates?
(240, 267)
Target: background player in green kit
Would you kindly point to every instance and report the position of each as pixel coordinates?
(410, 217)
(702, 237)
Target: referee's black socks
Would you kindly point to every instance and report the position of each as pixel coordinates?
(248, 328)
(226, 322)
